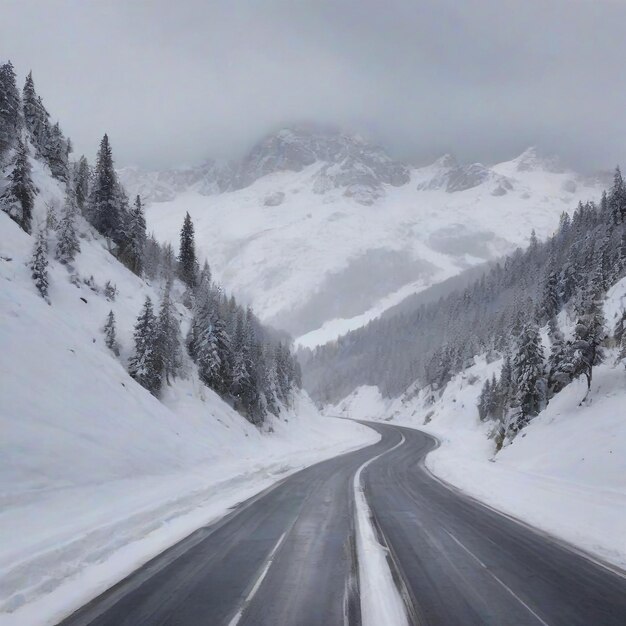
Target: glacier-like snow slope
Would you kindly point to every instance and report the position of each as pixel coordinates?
(322, 259)
(96, 475)
(565, 473)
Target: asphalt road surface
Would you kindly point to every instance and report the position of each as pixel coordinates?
(287, 557)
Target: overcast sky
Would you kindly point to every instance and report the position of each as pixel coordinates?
(174, 82)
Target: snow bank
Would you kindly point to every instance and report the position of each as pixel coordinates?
(96, 475)
(381, 601)
(565, 473)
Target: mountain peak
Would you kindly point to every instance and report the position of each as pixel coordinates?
(447, 161)
(345, 161)
(532, 159)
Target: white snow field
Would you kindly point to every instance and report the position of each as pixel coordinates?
(322, 263)
(564, 474)
(96, 475)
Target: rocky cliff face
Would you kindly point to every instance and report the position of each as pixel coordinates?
(343, 161)
(448, 175)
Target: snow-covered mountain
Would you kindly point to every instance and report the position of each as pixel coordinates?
(322, 231)
(96, 474)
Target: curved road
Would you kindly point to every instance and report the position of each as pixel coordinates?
(287, 557)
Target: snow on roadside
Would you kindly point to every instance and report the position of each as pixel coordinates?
(564, 474)
(96, 475)
(381, 602)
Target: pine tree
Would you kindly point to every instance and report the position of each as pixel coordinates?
(550, 296)
(52, 223)
(208, 341)
(168, 262)
(617, 197)
(18, 198)
(484, 400)
(241, 379)
(506, 387)
(283, 370)
(152, 258)
(492, 400)
(110, 337)
(560, 361)
(144, 366)
(39, 264)
(589, 332)
(270, 381)
(57, 152)
(106, 210)
(620, 329)
(187, 260)
(528, 373)
(168, 338)
(135, 242)
(68, 245)
(36, 118)
(81, 177)
(10, 114)
(621, 256)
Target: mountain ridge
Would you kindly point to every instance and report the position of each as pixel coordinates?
(331, 231)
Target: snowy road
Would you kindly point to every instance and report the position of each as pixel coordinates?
(287, 557)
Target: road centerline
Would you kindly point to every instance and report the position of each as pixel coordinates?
(259, 581)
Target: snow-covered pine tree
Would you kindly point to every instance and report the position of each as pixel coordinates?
(168, 262)
(144, 365)
(560, 362)
(105, 210)
(483, 400)
(506, 389)
(110, 334)
(617, 197)
(152, 258)
(207, 352)
(168, 338)
(241, 384)
(283, 371)
(187, 260)
(619, 333)
(492, 404)
(620, 338)
(10, 110)
(528, 373)
(590, 332)
(134, 245)
(208, 342)
(81, 177)
(68, 244)
(255, 399)
(57, 152)
(39, 264)
(52, 223)
(550, 304)
(36, 118)
(18, 198)
(270, 381)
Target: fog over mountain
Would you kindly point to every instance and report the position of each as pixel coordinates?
(175, 83)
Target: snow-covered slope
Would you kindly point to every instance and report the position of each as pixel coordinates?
(96, 475)
(323, 232)
(565, 473)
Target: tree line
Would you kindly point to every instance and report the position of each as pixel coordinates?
(499, 314)
(235, 354)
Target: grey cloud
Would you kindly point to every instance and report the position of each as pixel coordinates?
(175, 82)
